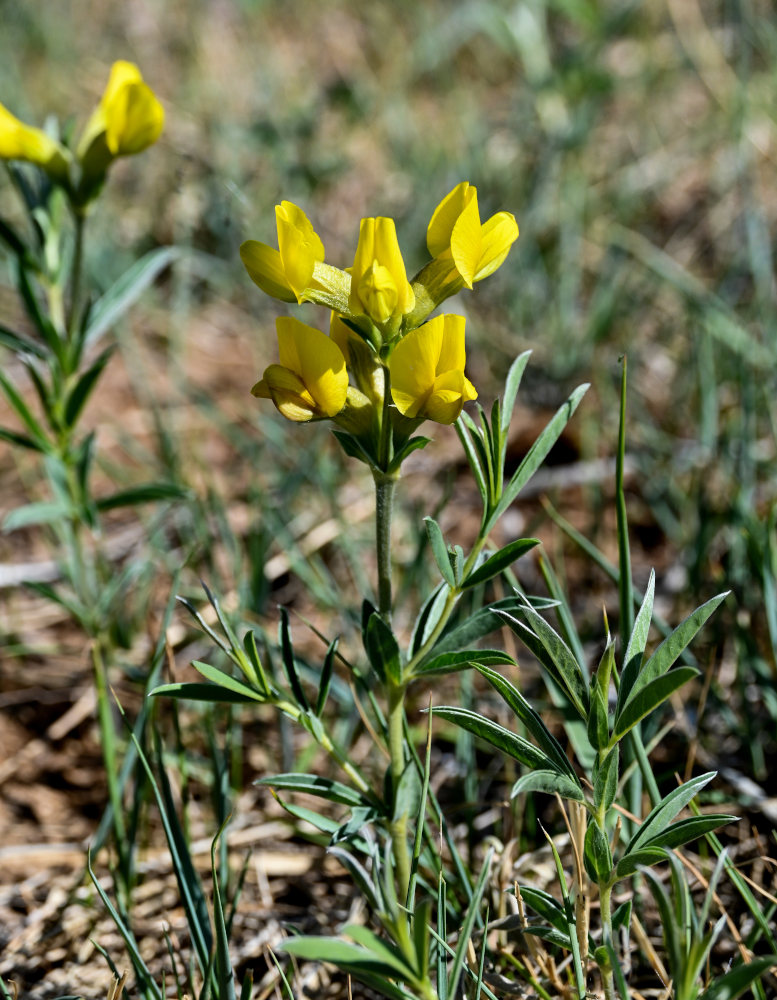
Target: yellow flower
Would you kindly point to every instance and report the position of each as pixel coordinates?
(128, 119)
(455, 231)
(427, 371)
(379, 285)
(23, 142)
(285, 273)
(311, 379)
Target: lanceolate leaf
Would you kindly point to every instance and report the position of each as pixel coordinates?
(313, 784)
(500, 561)
(224, 680)
(84, 386)
(532, 720)
(632, 661)
(686, 830)
(510, 743)
(126, 290)
(536, 454)
(662, 815)
(554, 654)
(383, 650)
(449, 662)
(644, 700)
(353, 958)
(550, 783)
(643, 858)
(672, 647)
(546, 906)
(380, 949)
(204, 692)
(146, 493)
(512, 384)
(440, 550)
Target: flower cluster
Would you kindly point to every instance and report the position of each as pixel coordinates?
(128, 119)
(385, 366)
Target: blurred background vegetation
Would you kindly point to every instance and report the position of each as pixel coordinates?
(636, 145)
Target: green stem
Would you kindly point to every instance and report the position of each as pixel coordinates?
(396, 739)
(385, 487)
(108, 741)
(605, 905)
(76, 275)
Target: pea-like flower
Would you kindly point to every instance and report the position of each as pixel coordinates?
(427, 371)
(287, 272)
(24, 142)
(311, 380)
(128, 119)
(379, 285)
(455, 232)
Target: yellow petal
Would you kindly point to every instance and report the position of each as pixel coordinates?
(289, 394)
(388, 254)
(23, 142)
(497, 235)
(300, 246)
(377, 292)
(413, 364)
(443, 406)
(452, 354)
(318, 362)
(466, 242)
(438, 234)
(265, 269)
(134, 120)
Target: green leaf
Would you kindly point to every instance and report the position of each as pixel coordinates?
(447, 663)
(196, 691)
(598, 731)
(414, 444)
(383, 650)
(645, 700)
(41, 512)
(84, 387)
(225, 680)
(20, 344)
(313, 784)
(352, 958)
(465, 931)
(126, 290)
(597, 856)
(510, 743)
(353, 447)
(326, 676)
(472, 457)
(621, 917)
(662, 815)
(546, 906)
(550, 783)
(440, 550)
(289, 663)
(222, 964)
(671, 648)
(734, 983)
(632, 661)
(642, 858)
(145, 493)
(606, 779)
(512, 384)
(536, 454)
(531, 720)
(24, 413)
(380, 949)
(21, 440)
(554, 654)
(686, 830)
(500, 561)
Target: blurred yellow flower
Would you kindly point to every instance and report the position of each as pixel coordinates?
(23, 142)
(128, 119)
(455, 231)
(379, 285)
(427, 371)
(287, 272)
(311, 379)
